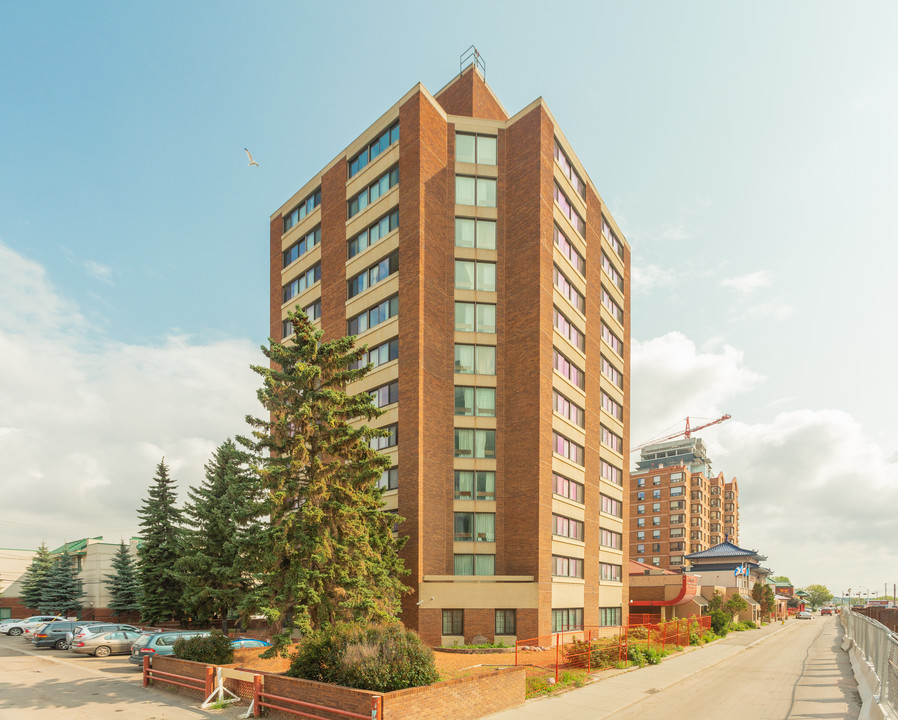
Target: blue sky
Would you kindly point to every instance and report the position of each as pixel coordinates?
(748, 152)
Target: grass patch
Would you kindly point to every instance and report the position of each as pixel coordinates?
(543, 685)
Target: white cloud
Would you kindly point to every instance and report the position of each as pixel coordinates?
(646, 278)
(86, 419)
(99, 271)
(746, 284)
(817, 496)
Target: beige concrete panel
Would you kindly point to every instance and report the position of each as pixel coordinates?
(466, 253)
(471, 169)
(563, 506)
(372, 253)
(391, 500)
(373, 295)
(476, 125)
(475, 380)
(566, 387)
(13, 566)
(569, 270)
(380, 207)
(565, 467)
(487, 506)
(481, 592)
(304, 226)
(474, 464)
(380, 375)
(568, 189)
(569, 350)
(476, 211)
(568, 429)
(381, 333)
(566, 546)
(567, 593)
(372, 170)
(577, 240)
(470, 421)
(612, 595)
(473, 548)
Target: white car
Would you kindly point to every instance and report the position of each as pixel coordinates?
(24, 627)
(5, 624)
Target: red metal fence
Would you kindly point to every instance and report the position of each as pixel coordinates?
(595, 648)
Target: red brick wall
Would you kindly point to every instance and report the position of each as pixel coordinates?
(333, 252)
(180, 667)
(469, 96)
(17, 609)
(276, 289)
(342, 698)
(460, 699)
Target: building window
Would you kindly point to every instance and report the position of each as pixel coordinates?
(373, 275)
(480, 149)
(677, 491)
(385, 394)
(616, 312)
(475, 317)
(567, 619)
(471, 443)
(475, 401)
(313, 311)
(567, 566)
(302, 283)
(568, 409)
(677, 477)
(610, 539)
(505, 622)
(676, 559)
(301, 210)
(656, 507)
(471, 233)
(612, 340)
(569, 171)
(612, 440)
(391, 439)
(475, 527)
(612, 272)
(568, 449)
(371, 193)
(677, 532)
(656, 561)
(569, 251)
(389, 480)
(640, 549)
(612, 239)
(656, 534)
(570, 489)
(475, 359)
(656, 481)
(568, 211)
(610, 616)
(453, 622)
(641, 494)
(640, 535)
(640, 522)
(373, 234)
(612, 506)
(384, 140)
(611, 473)
(379, 354)
(656, 520)
(477, 191)
(474, 564)
(373, 316)
(612, 373)
(607, 571)
(568, 370)
(475, 275)
(475, 485)
(566, 527)
(640, 509)
(640, 482)
(563, 285)
(302, 246)
(568, 330)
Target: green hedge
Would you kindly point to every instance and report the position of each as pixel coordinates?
(214, 649)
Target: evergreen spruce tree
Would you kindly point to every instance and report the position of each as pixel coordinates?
(63, 593)
(124, 589)
(328, 553)
(35, 578)
(160, 582)
(222, 517)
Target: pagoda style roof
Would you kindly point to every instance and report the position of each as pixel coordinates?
(726, 550)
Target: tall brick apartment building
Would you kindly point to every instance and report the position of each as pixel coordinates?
(473, 256)
(677, 506)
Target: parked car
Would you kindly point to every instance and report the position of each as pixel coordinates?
(20, 627)
(4, 624)
(240, 643)
(803, 615)
(106, 643)
(94, 627)
(159, 643)
(826, 611)
(52, 634)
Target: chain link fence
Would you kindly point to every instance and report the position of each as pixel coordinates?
(879, 646)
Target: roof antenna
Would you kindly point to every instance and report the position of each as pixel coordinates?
(472, 57)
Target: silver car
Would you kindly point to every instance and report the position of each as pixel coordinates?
(106, 644)
(26, 626)
(94, 627)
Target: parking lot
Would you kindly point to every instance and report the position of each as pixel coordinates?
(45, 683)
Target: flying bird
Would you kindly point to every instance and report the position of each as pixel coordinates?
(250, 156)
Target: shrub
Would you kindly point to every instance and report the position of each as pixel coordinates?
(600, 655)
(720, 622)
(380, 658)
(214, 649)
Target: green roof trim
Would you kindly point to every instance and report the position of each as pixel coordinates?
(75, 546)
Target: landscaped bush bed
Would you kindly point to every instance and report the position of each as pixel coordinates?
(214, 649)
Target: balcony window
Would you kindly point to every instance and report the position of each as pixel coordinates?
(473, 233)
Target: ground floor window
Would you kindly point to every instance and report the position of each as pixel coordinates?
(505, 622)
(567, 619)
(453, 622)
(610, 616)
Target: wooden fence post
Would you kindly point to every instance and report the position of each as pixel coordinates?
(376, 707)
(146, 670)
(257, 696)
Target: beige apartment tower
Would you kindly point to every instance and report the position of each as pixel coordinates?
(471, 253)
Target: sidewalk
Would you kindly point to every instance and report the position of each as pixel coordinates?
(615, 692)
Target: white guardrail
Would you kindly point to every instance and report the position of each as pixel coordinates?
(875, 648)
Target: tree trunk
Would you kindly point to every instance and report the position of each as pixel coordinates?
(224, 621)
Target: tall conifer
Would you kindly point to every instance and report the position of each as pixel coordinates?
(63, 592)
(221, 516)
(124, 589)
(328, 553)
(160, 582)
(35, 578)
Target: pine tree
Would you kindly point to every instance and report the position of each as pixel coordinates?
(222, 517)
(35, 577)
(63, 592)
(122, 584)
(328, 553)
(160, 583)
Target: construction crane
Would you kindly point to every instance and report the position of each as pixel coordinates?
(684, 433)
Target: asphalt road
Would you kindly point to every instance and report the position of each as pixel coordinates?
(44, 683)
